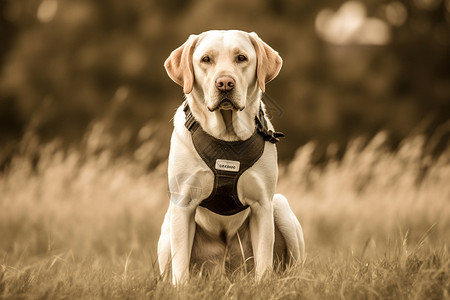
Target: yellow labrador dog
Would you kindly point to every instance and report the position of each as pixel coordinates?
(223, 161)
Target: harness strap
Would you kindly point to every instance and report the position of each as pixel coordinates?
(260, 121)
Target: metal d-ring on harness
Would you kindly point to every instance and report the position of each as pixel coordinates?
(228, 160)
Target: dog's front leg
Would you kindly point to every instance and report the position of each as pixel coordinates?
(182, 231)
(262, 232)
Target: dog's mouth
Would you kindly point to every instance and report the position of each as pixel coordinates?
(225, 104)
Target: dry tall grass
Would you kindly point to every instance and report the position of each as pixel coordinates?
(84, 224)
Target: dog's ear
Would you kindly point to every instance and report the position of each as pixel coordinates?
(179, 64)
(269, 61)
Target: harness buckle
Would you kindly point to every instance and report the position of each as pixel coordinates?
(269, 135)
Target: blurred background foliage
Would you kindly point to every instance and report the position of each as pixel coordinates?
(350, 68)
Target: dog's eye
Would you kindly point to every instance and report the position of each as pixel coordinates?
(241, 58)
(206, 59)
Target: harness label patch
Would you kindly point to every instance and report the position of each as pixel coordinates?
(227, 165)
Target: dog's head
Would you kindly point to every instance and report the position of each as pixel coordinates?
(225, 69)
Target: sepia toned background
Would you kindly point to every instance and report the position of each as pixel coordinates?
(350, 68)
(85, 123)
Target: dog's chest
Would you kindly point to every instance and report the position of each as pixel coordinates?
(216, 225)
(193, 177)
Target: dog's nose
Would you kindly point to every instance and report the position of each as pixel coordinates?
(225, 83)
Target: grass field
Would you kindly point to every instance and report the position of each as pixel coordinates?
(83, 224)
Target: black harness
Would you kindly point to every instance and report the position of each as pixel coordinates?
(228, 161)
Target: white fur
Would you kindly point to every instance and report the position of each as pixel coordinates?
(191, 180)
